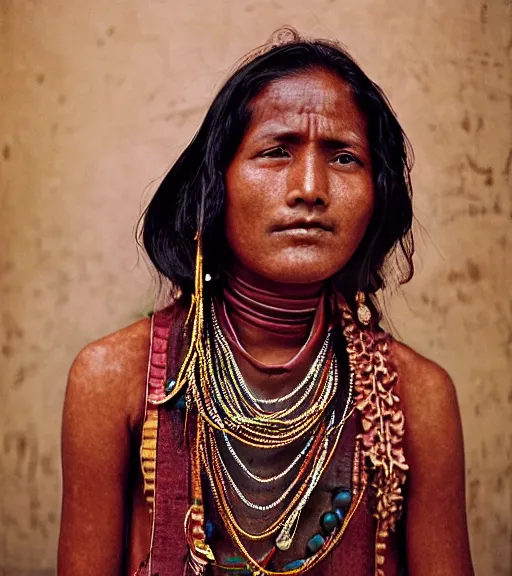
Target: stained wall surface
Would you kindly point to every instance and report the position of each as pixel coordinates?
(96, 101)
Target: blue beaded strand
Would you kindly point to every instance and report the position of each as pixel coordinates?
(329, 522)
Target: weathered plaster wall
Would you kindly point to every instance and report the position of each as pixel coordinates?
(98, 98)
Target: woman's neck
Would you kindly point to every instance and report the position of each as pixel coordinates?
(271, 323)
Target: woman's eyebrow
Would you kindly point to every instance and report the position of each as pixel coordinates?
(285, 135)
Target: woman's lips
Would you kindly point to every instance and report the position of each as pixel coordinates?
(304, 226)
(302, 231)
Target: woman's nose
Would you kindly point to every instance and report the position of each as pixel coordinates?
(307, 181)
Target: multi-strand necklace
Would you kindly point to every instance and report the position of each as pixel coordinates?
(308, 416)
(372, 388)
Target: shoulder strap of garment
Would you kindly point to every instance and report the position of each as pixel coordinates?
(164, 452)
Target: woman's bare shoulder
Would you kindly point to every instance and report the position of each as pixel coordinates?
(434, 451)
(113, 370)
(429, 402)
(102, 418)
(421, 380)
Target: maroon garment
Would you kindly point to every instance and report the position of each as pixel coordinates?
(354, 555)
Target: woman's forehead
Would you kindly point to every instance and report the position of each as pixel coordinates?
(316, 90)
(315, 97)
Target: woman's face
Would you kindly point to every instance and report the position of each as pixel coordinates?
(299, 190)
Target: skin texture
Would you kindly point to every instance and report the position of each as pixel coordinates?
(101, 434)
(302, 178)
(304, 159)
(320, 170)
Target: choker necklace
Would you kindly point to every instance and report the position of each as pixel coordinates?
(294, 318)
(222, 348)
(279, 309)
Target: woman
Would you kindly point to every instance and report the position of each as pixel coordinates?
(281, 430)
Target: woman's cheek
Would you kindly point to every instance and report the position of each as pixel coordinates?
(360, 201)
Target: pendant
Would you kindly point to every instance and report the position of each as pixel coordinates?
(200, 554)
(284, 540)
(285, 537)
(364, 315)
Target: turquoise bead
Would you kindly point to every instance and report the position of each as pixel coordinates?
(339, 513)
(315, 544)
(329, 522)
(169, 385)
(342, 500)
(236, 560)
(294, 565)
(180, 403)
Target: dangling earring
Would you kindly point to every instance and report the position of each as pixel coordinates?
(200, 553)
(364, 314)
(196, 314)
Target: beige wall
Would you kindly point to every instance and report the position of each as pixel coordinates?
(97, 99)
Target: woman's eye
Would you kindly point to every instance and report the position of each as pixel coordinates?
(346, 158)
(277, 152)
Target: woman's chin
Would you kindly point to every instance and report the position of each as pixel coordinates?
(298, 266)
(301, 274)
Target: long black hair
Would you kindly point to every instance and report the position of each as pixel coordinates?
(191, 196)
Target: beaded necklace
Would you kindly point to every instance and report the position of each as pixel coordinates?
(226, 405)
(235, 415)
(257, 478)
(220, 341)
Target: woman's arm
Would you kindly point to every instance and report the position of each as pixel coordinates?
(104, 401)
(436, 525)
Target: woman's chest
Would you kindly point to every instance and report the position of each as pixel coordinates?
(260, 507)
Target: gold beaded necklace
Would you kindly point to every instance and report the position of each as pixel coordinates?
(236, 419)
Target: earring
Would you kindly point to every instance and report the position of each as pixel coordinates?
(364, 314)
(196, 314)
